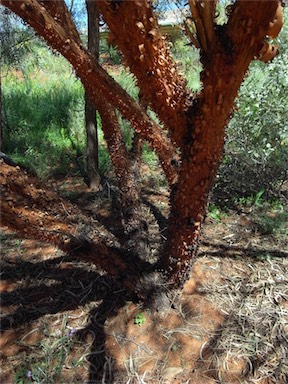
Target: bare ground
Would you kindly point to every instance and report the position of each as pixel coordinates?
(66, 321)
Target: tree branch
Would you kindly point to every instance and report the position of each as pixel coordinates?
(36, 212)
(136, 32)
(208, 15)
(60, 13)
(98, 84)
(200, 27)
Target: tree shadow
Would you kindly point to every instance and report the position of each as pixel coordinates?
(222, 250)
(65, 290)
(64, 283)
(100, 363)
(55, 286)
(158, 215)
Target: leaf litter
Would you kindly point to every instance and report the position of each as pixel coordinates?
(65, 321)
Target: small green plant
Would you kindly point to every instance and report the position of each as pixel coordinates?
(214, 212)
(255, 200)
(259, 198)
(22, 375)
(175, 347)
(272, 223)
(140, 319)
(263, 256)
(47, 365)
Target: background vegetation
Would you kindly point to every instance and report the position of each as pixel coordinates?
(43, 114)
(43, 117)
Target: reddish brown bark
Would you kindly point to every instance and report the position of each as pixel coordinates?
(196, 126)
(126, 169)
(136, 32)
(97, 83)
(225, 68)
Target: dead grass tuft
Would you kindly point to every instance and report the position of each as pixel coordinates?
(65, 321)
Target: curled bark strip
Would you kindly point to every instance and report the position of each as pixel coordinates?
(37, 212)
(97, 82)
(137, 34)
(33, 211)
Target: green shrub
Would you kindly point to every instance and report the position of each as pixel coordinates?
(257, 136)
(43, 114)
(187, 58)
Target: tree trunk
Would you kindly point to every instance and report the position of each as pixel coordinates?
(92, 146)
(127, 171)
(90, 110)
(1, 122)
(194, 129)
(224, 69)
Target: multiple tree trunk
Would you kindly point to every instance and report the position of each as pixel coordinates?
(190, 145)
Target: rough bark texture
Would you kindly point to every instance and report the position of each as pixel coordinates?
(136, 32)
(37, 212)
(97, 82)
(90, 110)
(135, 227)
(194, 129)
(94, 179)
(225, 65)
(1, 126)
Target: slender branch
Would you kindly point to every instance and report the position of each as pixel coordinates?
(207, 16)
(190, 33)
(194, 7)
(137, 34)
(98, 84)
(60, 13)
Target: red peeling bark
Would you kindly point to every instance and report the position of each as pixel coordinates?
(224, 71)
(136, 32)
(197, 127)
(96, 81)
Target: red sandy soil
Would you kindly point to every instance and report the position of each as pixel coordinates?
(65, 321)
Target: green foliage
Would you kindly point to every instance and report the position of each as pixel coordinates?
(272, 223)
(127, 81)
(40, 119)
(52, 352)
(187, 57)
(269, 216)
(215, 212)
(255, 200)
(109, 53)
(257, 135)
(15, 39)
(42, 113)
(140, 319)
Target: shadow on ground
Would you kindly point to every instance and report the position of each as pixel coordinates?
(179, 345)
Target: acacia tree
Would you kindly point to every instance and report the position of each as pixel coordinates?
(189, 142)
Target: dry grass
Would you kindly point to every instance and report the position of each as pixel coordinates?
(253, 296)
(65, 321)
